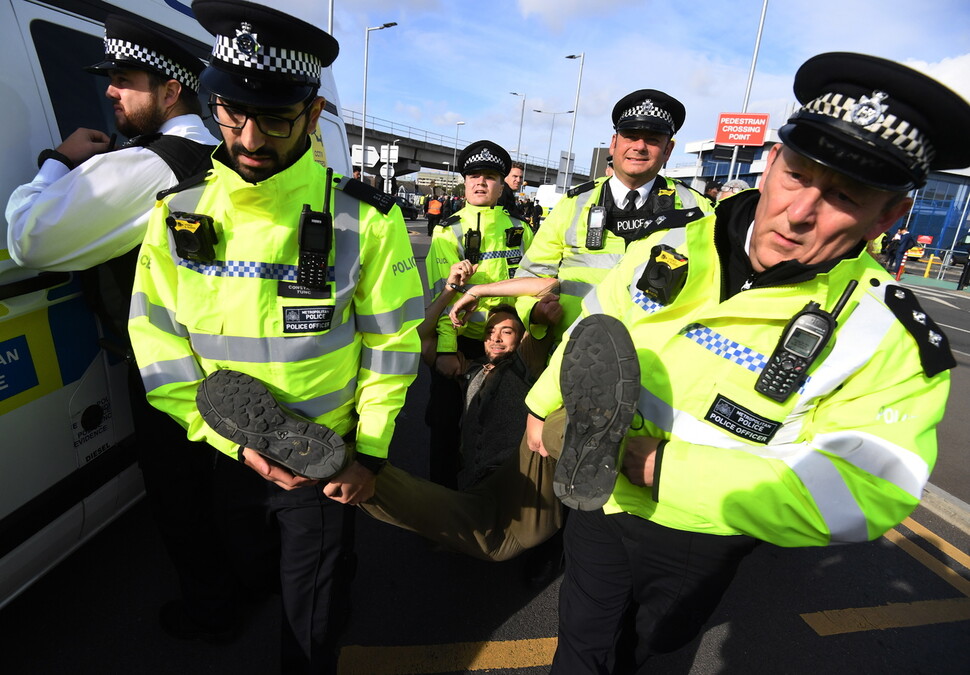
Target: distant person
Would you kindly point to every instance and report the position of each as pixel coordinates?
(510, 192)
(711, 190)
(906, 241)
(732, 187)
(433, 207)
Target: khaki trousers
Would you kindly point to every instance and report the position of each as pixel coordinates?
(511, 510)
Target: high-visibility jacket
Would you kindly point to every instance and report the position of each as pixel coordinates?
(434, 207)
(559, 249)
(344, 360)
(498, 262)
(844, 459)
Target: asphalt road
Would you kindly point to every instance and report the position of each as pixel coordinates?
(897, 605)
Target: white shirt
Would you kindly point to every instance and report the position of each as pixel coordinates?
(72, 220)
(620, 191)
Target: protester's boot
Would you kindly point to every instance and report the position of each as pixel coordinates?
(600, 383)
(241, 409)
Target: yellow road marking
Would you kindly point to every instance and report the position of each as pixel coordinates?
(447, 658)
(929, 562)
(898, 615)
(902, 615)
(940, 543)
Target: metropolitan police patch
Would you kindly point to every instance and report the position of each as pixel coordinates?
(307, 319)
(740, 421)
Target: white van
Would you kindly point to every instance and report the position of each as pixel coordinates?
(67, 460)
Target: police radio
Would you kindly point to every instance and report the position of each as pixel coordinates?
(194, 234)
(800, 344)
(595, 224)
(316, 240)
(473, 243)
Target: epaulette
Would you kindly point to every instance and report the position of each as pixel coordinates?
(581, 188)
(450, 220)
(934, 348)
(181, 186)
(368, 194)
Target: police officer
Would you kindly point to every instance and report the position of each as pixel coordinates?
(274, 276)
(756, 414)
(488, 237)
(590, 228)
(88, 205)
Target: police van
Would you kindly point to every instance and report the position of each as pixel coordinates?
(67, 456)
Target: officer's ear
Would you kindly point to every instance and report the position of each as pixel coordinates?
(313, 114)
(169, 93)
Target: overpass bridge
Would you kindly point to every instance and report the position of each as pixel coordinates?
(421, 149)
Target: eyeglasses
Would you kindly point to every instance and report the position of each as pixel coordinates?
(231, 117)
(732, 190)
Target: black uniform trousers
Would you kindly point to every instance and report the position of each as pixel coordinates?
(633, 589)
(299, 543)
(178, 475)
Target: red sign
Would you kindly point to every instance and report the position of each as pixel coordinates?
(924, 238)
(741, 129)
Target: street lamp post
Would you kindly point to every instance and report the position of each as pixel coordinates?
(569, 163)
(545, 173)
(363, 122)
(454, 159)
(518, 146)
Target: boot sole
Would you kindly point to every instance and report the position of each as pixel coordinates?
(600, 383)
(241, 409)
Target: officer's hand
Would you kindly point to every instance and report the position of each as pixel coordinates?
(274, 472)
(84, 144)
(639, 459)
(353, 485)
(460, 272)
(533, 435)
(547, 311)
(448, 365)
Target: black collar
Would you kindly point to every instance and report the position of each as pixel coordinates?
(734, 216)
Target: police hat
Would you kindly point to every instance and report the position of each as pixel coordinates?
(130, 45)
(262, 57)
(651, 110)
(876, 121)
(484, 156)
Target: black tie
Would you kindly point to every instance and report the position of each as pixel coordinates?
(631, 202)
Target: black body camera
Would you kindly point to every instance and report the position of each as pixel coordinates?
(195, 236)
(664, 275)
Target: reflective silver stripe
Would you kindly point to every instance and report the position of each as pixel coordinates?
(393, 321)
(272, 349)
(570, 236)
(346, 231)
(878, 457)
(438, 286)
(459, 233)
(603, 261)
(389, 363)
(321, 405)
(530, 268)
(179, 371)
(686, 195)
(160, 317)
(845, 520)
(577, 289)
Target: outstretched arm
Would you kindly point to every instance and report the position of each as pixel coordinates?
(524, 286)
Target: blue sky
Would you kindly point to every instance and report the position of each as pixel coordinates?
(457, 61)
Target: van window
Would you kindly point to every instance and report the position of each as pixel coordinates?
(76, 95)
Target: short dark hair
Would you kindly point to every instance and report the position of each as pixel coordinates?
(518, 165)
(188, 99)
(506, 308)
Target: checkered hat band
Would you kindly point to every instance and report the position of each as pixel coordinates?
(648, 109)
(905, 137)
(486, 156)
(124, 50)
(269, 59)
